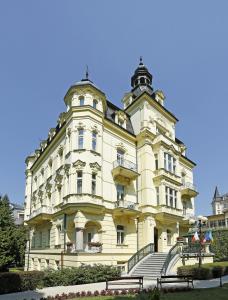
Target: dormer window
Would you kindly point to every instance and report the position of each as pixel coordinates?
(81, 101)
(95, 103)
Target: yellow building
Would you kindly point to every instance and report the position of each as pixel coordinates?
(107, 181)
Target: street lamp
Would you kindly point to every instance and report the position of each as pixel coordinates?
(201, 222)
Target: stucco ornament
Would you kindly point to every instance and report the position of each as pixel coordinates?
(67, 169)
(58, 180)
(121, 147)
(95, 167)
(79, 164)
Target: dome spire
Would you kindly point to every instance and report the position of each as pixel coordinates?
(142, 79)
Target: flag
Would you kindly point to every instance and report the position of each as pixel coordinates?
(210, 237)
(195, 237)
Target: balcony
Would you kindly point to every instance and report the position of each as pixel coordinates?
(162, 173)
(42, 213)
(126, 207)
(124, 170)
(188, 189)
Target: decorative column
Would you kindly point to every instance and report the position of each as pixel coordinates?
(79, 238)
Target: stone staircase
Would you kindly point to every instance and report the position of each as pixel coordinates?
(150, 266)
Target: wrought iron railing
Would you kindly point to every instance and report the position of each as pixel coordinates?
(176, 249)
(139, 256)
(125, 164)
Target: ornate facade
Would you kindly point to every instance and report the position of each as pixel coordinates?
(107, 181)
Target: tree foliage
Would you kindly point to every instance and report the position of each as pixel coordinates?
(12, 237)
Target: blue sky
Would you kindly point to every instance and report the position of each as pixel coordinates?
(45, 46)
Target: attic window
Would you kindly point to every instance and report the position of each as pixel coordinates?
(81, 101)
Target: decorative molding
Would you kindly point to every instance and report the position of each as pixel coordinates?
(66, 169)
(79, 164)
(95, 167)
(121, 146)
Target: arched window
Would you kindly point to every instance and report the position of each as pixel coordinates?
(81, 101)
(142, 80)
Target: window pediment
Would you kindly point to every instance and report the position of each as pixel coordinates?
(79, 164)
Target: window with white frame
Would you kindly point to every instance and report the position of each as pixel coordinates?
(95, 103)
(120, 234)
(94, 181)
(81, 101)
(79, 182)
(80, 138)
(171, 197)
(94, 141)
(120, 156)
(120, 192)
(169, 163)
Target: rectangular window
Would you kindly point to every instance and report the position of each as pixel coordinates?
(48, 237)
(171, 197)
(120, 157)
(94, 103)
(80, 138)
(94, 179)
(94, 141)
(169, 163)
(120, 192)
(79, 182)
(156, 161)
(157, 195)
(120, 234)
(81, 101)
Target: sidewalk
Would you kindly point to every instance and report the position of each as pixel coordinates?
(52, 291)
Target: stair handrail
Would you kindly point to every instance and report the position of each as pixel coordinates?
(172, 252)
(139, 255)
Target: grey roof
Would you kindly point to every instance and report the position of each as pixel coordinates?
(17, 206)
(86, 82)
(110, 115)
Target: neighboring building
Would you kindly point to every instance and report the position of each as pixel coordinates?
(108, 181)
(18, 213)
(220, 210)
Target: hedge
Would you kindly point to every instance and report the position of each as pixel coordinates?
(206, 271)
(81, 275)
(30, 280)
(21, 281)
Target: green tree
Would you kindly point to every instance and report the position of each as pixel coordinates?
(7, 228)
(12, 237)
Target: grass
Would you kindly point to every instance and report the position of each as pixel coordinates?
(196, 294)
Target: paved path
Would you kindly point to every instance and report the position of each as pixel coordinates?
(52, 291)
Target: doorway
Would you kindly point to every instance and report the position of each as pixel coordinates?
(155, 239)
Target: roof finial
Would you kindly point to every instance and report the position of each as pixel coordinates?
(87, 72)
(140, 60)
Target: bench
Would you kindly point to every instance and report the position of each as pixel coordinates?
(174, 279)
(125, 280)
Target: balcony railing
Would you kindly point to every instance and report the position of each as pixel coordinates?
(189, 185)
(41, 210)
(125, 164)
(125, 204)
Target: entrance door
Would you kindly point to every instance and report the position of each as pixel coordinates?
(155, 239)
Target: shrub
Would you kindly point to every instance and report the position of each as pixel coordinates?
(81, 275)
(207, 271)
(21, 281)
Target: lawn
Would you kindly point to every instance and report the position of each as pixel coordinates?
(196, 294)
